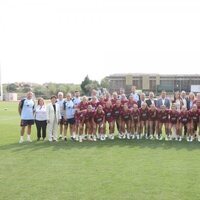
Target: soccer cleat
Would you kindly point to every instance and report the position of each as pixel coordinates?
(166, 138)
(133, 136)
(160, 138)
(21, 140)
(29, 139)
(188, 139)
(180, 139)
(128, 136)
(138, 136)
(94, 138)
(151, 137)
(199, 139)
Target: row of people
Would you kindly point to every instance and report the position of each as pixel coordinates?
(91, 117)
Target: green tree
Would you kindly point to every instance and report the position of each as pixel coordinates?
(12, 87)
(85, 83)
(105, 83)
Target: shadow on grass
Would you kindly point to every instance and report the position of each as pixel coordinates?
(143, 144)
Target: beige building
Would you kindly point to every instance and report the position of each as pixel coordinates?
(153, 82)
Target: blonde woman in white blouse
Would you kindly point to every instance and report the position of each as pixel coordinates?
(41, 119)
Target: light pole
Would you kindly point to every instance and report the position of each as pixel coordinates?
(1, 86)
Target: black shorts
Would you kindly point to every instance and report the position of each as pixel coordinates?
(70, 121)
(62, 121)
(26, 122)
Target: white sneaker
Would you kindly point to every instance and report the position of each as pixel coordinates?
(191, 139)
(94, 138)
(180, 139)
(138, 136)
(21, 140)
(199, 139)
(133, 136)
(166, 138)
(80, 139)
(156, 136)
(128, 136)
(160, 138)
(29, 139)
(151, 137)
(188, 139)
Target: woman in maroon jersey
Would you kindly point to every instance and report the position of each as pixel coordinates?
(184, 120)
(117, 108)
(197, 101)
(163, 120)
(153, 120)
(143, 120)
(83, 104)
(109, 119)
(107, 97)
(125, 116)
(173, 122)
(99, 122)
(101, 101)
(93, 102)
(123, 99)
(131, 102)
(79, 121)
(114, 98)
(194, 115)
(135, 121)
(89, 125)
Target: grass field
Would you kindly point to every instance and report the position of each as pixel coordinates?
(119, 169)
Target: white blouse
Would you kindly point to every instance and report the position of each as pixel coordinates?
(40, 113)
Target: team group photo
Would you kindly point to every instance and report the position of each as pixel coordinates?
(107, 116)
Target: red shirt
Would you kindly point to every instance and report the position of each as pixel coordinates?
(113, 101)
(102, 103)
(88, 116)
(184, 117)
(79, 116)
(116, 111)
(163, 116)
(93, 104)
(143, 114)
(135, 115)
(197, 102)
(125, 115)
(83, 106)
(98, 117)
(153, 115)
(173, 116)
(108, 114)
(194, 115)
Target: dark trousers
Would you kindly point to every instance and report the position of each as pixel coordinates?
(41, 125)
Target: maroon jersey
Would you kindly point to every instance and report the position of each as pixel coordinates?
(108, 114)
(98, 117)
(153, 114)
(116, 111)
(143, 114)
(135, 115)
(173, 116)
(125, 115)
(83, 106)
(184, 117)
(79, 116)
(88, 116)
(197, 102)
(113, 101)
(131, 104)
(194, 115)
(163, 116)
(124, 101)
(93, 104)
(102, 103)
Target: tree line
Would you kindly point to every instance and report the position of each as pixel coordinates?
(47, 89)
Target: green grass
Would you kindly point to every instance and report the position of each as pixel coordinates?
(119, 169)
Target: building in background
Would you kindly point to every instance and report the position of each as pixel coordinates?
(153, 82)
